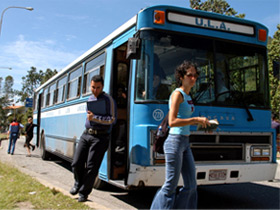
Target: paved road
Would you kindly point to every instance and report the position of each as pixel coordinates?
(57, 174)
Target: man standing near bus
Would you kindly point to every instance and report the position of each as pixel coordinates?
(94, 141)
(29, 135)
(14, 130)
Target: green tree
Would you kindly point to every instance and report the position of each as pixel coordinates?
(47, 75)
(7, 93)
(8, 87)
(274, 55)
(33, 80)
(217, 6)
(3, 113)
(1, 79)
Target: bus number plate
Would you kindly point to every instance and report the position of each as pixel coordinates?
(216, 175)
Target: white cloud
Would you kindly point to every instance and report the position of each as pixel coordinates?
(23, 54)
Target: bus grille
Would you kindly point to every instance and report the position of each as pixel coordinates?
(224, 147)
(219, 147)
(217, 152)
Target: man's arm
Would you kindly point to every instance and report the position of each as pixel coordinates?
(110, 118)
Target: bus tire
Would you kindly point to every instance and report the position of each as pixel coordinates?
(99, 184)
(43, 153)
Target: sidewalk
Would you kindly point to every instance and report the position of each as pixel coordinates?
(48, 173)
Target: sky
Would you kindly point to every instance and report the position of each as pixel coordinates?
(56, 32)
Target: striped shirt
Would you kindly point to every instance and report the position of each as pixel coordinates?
(106, 121)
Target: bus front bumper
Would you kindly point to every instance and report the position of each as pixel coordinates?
(154, 176)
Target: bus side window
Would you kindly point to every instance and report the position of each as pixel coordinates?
(45, 98)
(52, 94)
(35, 102)
(48, 99)
(93, 67)
(60, 95)
(74, 84)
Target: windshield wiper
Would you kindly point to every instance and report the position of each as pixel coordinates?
(250, 116)
(202, 91)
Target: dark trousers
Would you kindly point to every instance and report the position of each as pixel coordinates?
(87, 160)
(12, 143)
(28, 140)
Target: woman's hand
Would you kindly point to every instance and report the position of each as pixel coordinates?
(90, 115)
(203, 121)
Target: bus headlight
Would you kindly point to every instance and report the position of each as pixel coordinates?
(260, 153)
(266, 152)
(257, 152)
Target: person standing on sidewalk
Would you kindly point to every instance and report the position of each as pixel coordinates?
(29, 135)
(94, 141)
(14, 130)
(177, 151)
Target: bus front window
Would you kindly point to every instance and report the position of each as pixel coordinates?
(229, 73)
(240, 75)
(161, 54)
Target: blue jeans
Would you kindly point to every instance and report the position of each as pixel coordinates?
(12, 142)
(178, 159)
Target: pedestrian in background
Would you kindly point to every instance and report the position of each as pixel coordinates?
(177, 151)
(94, 141)
(14, 132)
(29, 135)
(275, 124)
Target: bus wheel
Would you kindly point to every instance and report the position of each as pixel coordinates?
(43, 153)
(99, 184)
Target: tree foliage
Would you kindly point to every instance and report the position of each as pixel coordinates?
(8, 87)
(274, 55)
(33, 80)
(217, 6)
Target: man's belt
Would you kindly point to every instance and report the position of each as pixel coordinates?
(96, 132)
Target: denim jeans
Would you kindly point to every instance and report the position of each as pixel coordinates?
(178, 160)
(12, 142)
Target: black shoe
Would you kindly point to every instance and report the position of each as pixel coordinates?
(74, 190)
(33, 148)
(82, 198)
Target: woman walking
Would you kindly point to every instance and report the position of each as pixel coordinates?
(178, 154)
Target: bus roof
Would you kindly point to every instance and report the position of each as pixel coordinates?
(130, 23)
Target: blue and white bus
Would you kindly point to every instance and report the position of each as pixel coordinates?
(137, 62)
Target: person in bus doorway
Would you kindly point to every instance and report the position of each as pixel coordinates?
(14, 131)
(178, 155)
(93, 142)
(29, 135)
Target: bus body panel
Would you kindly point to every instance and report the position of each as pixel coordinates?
(144, 22)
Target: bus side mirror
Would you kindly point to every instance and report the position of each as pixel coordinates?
(133, 48)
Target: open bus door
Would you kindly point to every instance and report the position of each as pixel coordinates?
(38, 119)
(119, 142)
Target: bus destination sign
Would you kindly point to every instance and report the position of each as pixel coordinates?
(210, 23)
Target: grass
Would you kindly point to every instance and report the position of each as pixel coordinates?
(21, 191)
(3, 136)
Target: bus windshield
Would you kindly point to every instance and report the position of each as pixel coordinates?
(230, 74)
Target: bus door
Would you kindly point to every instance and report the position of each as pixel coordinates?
(119, 141)
(38, 118)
